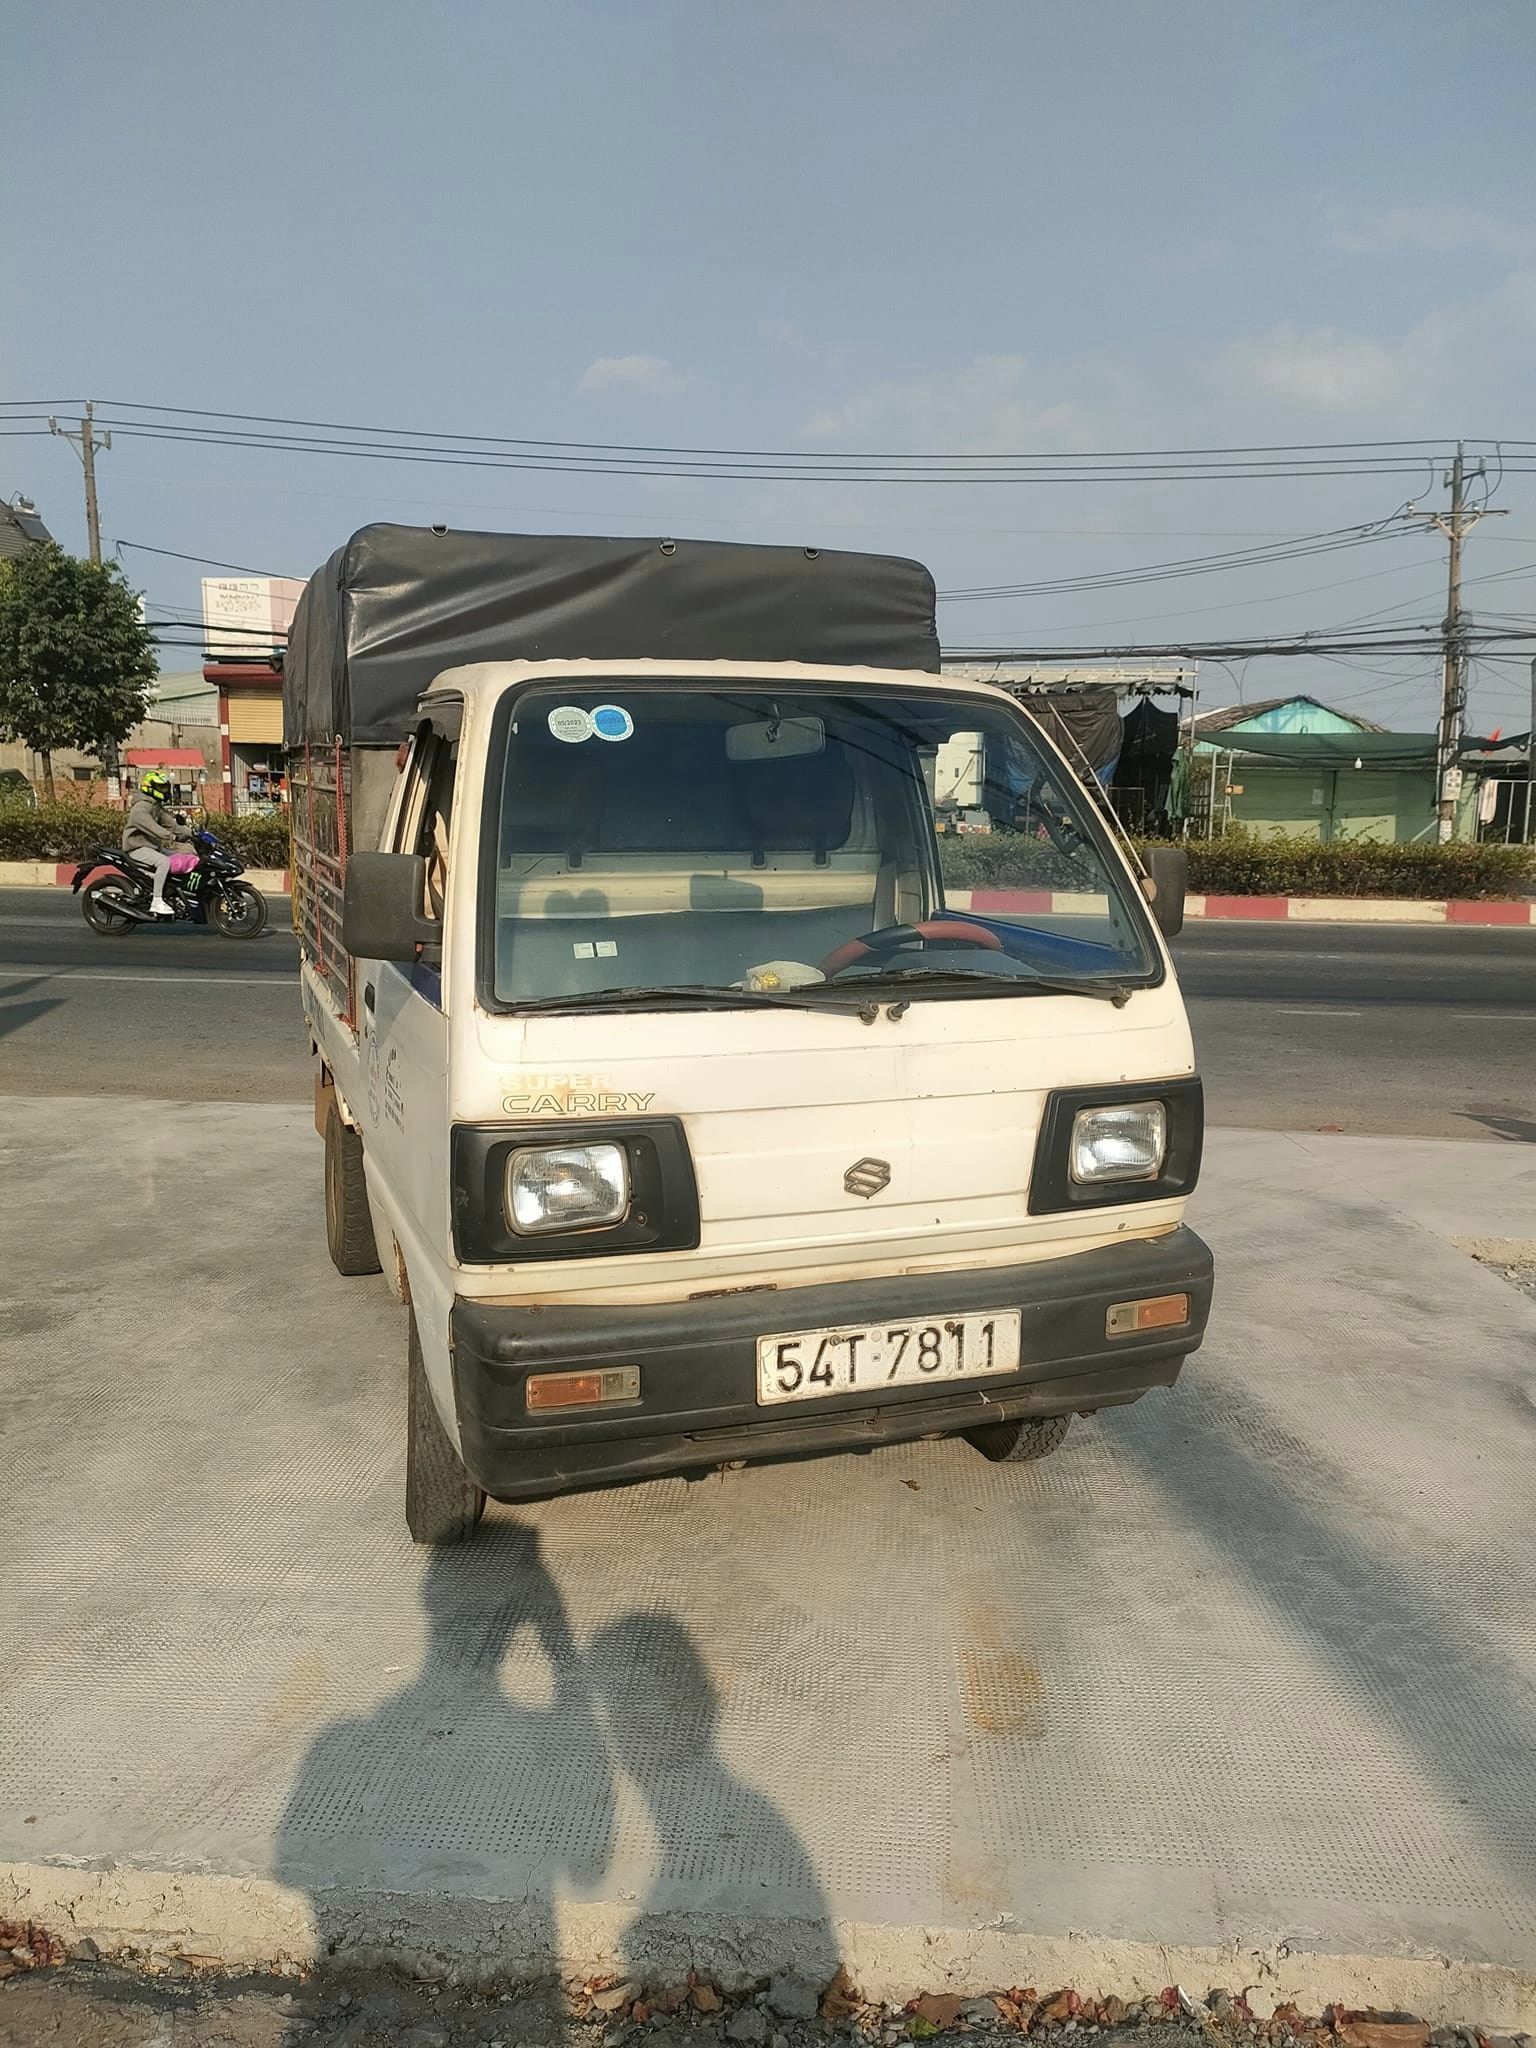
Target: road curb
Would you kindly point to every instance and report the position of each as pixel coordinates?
(48, 874)
(252, 1923)
(43, 874)
(1267, 909)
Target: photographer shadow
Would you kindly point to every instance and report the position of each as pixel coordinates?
(734, 1892)
(485, 1777)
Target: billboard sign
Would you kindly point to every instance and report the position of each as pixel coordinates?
(246, 618)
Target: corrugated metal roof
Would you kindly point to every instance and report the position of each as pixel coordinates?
(1231, 715)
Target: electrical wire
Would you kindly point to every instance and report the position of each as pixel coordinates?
(1241, 603)
(1257, 461)
(1330, 541)
(240, 568)
(1044, 469)
(755, 454)
(1425, 640)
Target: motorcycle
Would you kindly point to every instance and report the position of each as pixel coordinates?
(201, 888)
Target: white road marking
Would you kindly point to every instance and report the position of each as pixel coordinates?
(212, 979)
(67, 926)
(1513, 1015)
(1311, 1012)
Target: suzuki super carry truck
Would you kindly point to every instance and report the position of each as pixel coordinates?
(691, 1117)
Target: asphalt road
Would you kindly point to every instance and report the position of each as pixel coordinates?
(1406, 1031)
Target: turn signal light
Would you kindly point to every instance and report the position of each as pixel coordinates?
(1158, 1312)
(546, 1390)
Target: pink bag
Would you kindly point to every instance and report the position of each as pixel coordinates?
(183, 863)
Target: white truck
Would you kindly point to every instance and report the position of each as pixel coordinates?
(687, 1116)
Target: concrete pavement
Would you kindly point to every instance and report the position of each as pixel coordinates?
(1238, 1686)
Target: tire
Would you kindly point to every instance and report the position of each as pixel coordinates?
(442, 1503)
(1022, 1442)
(95, 905)
(348, 1222)
(239, 912)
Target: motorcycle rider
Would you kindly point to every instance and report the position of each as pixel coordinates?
(150, 833)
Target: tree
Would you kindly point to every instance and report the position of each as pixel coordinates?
(76, 660)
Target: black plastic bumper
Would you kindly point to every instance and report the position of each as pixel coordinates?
(698, 1366)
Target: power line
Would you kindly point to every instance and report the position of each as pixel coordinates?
(1247, 603)
(1426, 641)
(1330, 541)
(240, 568)
(207, 427)
(760, 454)
(804, 469)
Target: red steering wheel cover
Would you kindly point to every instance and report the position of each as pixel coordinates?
(954, 928)
(957, 928)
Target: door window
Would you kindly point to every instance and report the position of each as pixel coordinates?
(426, 814)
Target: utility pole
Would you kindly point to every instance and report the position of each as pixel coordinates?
(1530, 765)
(85, 442)
(1455, 524)
(1453, 685)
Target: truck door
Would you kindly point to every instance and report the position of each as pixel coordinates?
(403, 1028)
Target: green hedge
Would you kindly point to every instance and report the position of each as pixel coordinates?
(1233, 865)
(1292, 866)
(1236, 865)
(1006, 860)
(65, 831)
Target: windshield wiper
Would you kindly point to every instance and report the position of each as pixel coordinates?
(1116, 992)
(688, 995)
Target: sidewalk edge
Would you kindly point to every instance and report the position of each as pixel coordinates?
(43, 874)
(241, 1923)
(1273, 909)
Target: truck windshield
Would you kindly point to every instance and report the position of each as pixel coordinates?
(760, 839)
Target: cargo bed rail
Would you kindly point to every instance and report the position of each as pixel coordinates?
(320, 803)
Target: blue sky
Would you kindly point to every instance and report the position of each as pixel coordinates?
(985, 226)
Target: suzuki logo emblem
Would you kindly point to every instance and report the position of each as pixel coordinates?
(867, 1177)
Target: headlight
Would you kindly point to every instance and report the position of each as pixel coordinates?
(1124, 1143)
(566, 1187)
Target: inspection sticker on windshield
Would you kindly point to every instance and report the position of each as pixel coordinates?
(570, 723)
(863, 1358)
(612, 722)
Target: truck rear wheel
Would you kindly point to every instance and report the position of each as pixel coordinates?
(442, 1503)
(348, 1223)
(1021, 1442)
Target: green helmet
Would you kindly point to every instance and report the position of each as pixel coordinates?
(157, 786)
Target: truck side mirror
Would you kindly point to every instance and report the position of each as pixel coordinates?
(381, 912)
(1166, 882)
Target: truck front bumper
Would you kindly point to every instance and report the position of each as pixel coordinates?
(698, 1366)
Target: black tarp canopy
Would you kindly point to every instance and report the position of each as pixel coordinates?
(399, 604)
(1322, 750)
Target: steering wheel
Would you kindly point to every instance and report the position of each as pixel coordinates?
(895, 938)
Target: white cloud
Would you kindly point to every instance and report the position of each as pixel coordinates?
(1462, 348)
(1439, 228)
(632, 373)
(1329, 371)
(982, 408)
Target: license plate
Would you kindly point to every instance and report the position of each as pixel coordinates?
(863, 1358)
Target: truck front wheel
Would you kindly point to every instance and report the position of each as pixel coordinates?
(442, 1503)
(348, 1223)
(1021, 1442)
